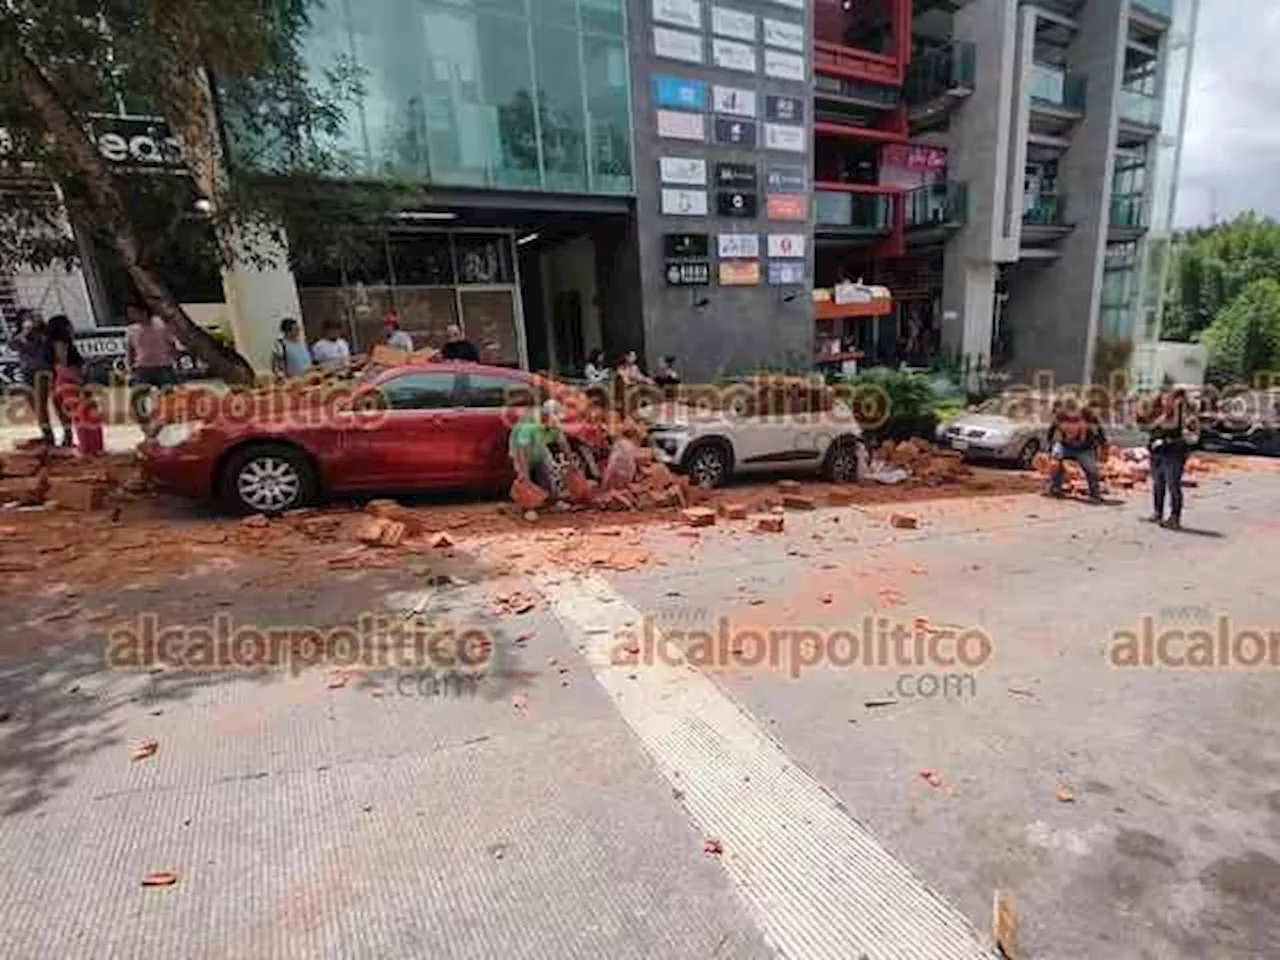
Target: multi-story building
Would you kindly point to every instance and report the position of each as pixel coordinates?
(678, 176)
(1009, 174)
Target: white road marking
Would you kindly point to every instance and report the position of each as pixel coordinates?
(818, 883)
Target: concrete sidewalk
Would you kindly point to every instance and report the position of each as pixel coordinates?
(117, 438)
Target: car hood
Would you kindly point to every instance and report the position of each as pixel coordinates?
(990, 421)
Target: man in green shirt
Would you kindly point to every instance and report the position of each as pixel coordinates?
(530, 447)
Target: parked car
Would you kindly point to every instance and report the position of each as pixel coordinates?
(711, 448)
(1007, 428)
(1248, 423)
(429, 426)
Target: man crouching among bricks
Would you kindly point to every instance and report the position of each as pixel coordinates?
(1075, 434)
(530, 447)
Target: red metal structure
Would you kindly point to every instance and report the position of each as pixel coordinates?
(862, 49)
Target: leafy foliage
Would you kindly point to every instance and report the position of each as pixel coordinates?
(1212, 266)
(196, 66)
(1244, 340)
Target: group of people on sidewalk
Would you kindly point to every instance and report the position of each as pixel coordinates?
(52, 367)
(628, 371)
(1076, 434)
(292, 357)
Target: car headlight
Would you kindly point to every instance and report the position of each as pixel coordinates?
(176, 434)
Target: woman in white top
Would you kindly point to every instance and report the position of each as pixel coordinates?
(595, 370)
(331, 351)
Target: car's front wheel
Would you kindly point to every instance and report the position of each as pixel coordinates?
(841, 464)
(709, 463)
(267, 478)
(1027, 455)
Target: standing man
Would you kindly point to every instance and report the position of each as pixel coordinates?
(458, 347)
(150, 354)
(290, 357)
(37, 373)
(394, 337)
(530, 447)
(331, 351)
(1074, 435)
(1174, 428)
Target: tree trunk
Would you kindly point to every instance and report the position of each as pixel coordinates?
(108, 210)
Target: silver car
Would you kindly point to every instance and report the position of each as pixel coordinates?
(1003, 428)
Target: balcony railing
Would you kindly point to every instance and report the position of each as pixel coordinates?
(1056, 87)
(1127, 210)
(844, 89)
(1141, 108)
(937, 205)
(935, 71)
(838, 209)
(1045, 210)
(1160, 8)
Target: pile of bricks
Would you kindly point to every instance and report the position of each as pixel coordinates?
(60, 479)
(655, 487)
(386, 524)
(381, 532)
(925, 462)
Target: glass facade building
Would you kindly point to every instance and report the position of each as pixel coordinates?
(496, 94)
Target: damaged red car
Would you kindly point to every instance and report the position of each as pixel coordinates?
(433, 426)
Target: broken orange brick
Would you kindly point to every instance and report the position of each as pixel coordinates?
(788, 486)
(441, 540)
(370, 530)
(904, 521)
(21, 465)
(793, 501)
(769, 522)
(27, 491)
(699, 517)
(734, 511)
(78, 495)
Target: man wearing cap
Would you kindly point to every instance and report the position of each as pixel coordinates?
(396, 338)
(530, 447)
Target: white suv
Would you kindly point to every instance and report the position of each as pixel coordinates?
(710, 446)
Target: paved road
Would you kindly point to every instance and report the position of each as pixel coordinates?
(569, 814)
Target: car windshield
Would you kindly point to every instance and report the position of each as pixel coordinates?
(1024, 409)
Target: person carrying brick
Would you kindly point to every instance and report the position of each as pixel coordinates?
(1075, 434)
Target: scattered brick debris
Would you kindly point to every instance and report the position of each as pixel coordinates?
(699, 517)
(769, 523)
(793, 501)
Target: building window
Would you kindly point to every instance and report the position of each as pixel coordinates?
(505, 94)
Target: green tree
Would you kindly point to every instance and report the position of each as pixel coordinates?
(1245, 338)
(199, 65)
(1211, 266)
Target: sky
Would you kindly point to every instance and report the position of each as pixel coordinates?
(1231, 155)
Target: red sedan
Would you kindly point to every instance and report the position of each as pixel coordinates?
(433, 426)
